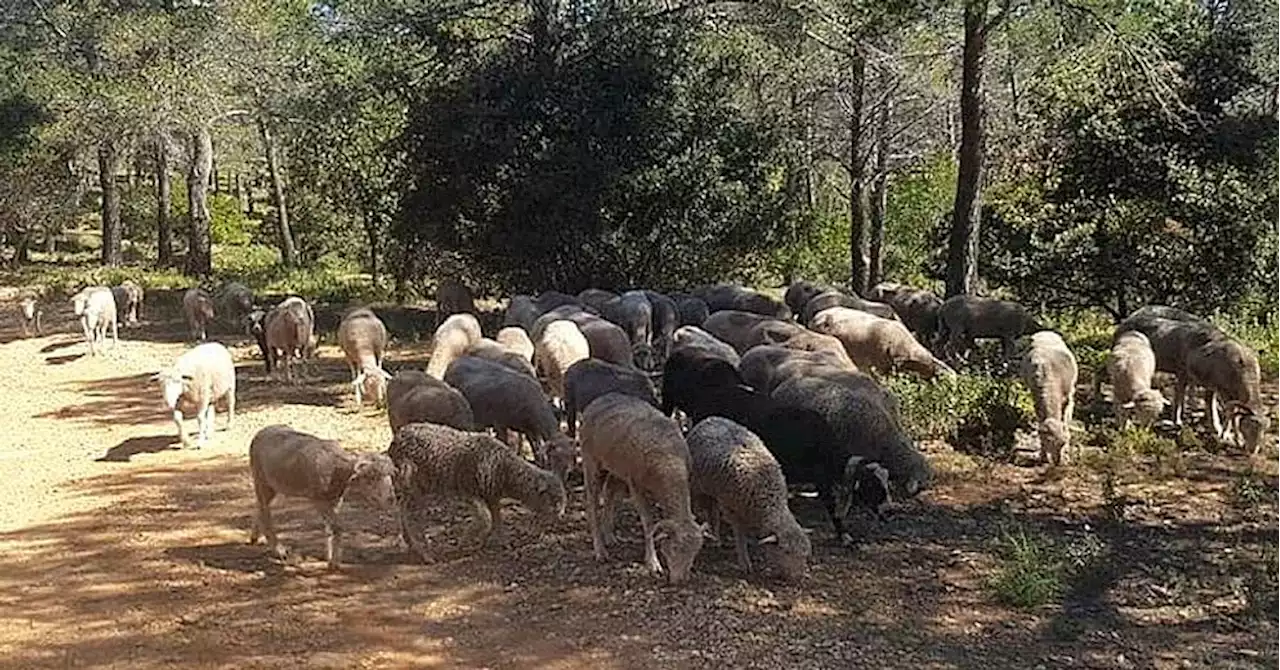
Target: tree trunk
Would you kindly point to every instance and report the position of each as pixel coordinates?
(199, 252)
(288, 254)
(108, 164)
(242, 195)
(164, 234)
(371, 230)
(962, 248)
(880, 190)
(248, 195)
(857, 186)
(213, 174)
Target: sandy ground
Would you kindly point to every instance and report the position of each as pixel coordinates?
(117, 549)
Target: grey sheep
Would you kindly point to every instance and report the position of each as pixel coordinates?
(608, 342)
(414, 396)
(594, 299)
(1049, 370)
(29, 307)
(693, 337)
(451, 340)
(96, 307)
(591, 378)
(363, 339)
(288, 462)
(1131, 367)
(202, 376)
(632, 312)
(625, 439)
(521, 311)
(879, 344)
(963, 318)
(824, 301)
(549, 300)
(767, 366)
(666, 318)
(691, 310)
(197, 306)
(734, 475)
(738, 328)
(799, 293)
(506, 400)
(1230, 374)
(562, 344)
(290, 331)
(491, 350)
(732, 297)
(234, 303)
(433, 460)
(917, 308)
(516, 340)
(128, 296)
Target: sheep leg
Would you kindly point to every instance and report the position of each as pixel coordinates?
(611, 493)
(231, 409)
(591, 482)
(332, 533)
(182, 434)
(203, 418)
(1179, 398)
(408, 503)
(498, 532)
(263, 522)
(827, 497)
(1215, 419)
(740, 543)
(646, 522)
(115, 334)
(484, 519)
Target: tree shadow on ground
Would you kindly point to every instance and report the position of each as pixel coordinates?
(121, 453)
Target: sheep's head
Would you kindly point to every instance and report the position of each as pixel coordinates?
(548, 497)
(562, 455)
(1053, 438)
(1251, 427)
(173, 384)
(789, 549)
(915, 475)
(1146, 406)
(679, 543)
(373, 383)
(374, 477)
(866, 484)
(79, 301)
(253, 322)
(29, 308)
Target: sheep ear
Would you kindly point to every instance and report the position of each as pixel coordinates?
(772, 539)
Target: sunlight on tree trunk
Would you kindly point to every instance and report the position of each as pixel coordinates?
(108, 164)
(288, 254)
(857, 187)
(164, 239)
(962, 247)
(199, 261)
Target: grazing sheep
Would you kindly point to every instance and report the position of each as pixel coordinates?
(594, 299)
(30, 309)
(1172, 340)
(490, 350)
(632, 312)
(234, 303)
(963, 318)
(689, 375)
(1130, 367)
(799, 293)
(885, 290)
(1229, 373)
(693, 337)
(96, 307)
(917, 308)
(562, 345)
(451, 340)
(808, 340)
(1049, 371)
(521, 311)
(572, 312)
(691, 311)
(773, 331)
(444, 461)
(825, 301)
(738, 328)
(666, 318)
(624, 438)
(516, 340)
(416, 397)
(506, 400)
(128, 297)
(454, 297)
(767, 366)
(197, 306)
(731, 297)
(290, 330)
(200, 377)
(288, 462)
(608, 342)
(878, 344)
(591, 378)
(363, 339)
(733, 471)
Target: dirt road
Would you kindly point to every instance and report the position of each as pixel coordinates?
(119, 550)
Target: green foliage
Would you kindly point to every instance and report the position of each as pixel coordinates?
(228, 223)
(64, 281)
(1030, 572)
(977, 414)
(1260, 332)
(329, 278)
(918, 201)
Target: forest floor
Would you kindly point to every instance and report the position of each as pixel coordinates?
(118, 549)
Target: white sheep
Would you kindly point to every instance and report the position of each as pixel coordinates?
(491, 350)
(879, 344)
(516, 340)
(1130, 367)
(451, 340)
(734, 475)
(626, 439)
(96, 307)
(363, 339)
(1049, 370)
(562, 344)
(200, 378)
(1230, 374)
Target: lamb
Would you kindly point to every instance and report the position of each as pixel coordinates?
(825, 301)
(591, 378)
(451, 340)
(625, 439)
(516, 340)
(521, 311)
(202, 376)
(197, 306)
(416, 397)
(697, 338)
(1130, 367)
(290, 330)
(799, 293)
(363, 339)
(128, 297)
(444, 461)
(234, 303)
(561, 346)
(30, 309)
(505, 400)
(1049, 371)
(879, 344)
(733, 471)
(632, 312)
(737, 328)
(594, 299)
(1229, 372)
(288, 462)
(767, 366)
(691, 311)
(96, 307)
(491, 350)
(963, 318)
(731, 297)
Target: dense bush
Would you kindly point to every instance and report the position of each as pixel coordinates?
(228, 223)
(977, 414)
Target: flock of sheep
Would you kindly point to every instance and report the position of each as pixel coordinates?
(754, 397)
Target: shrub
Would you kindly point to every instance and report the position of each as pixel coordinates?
(977, 414)
(1030, 572)
(228, 223)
